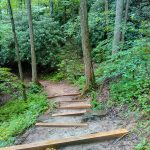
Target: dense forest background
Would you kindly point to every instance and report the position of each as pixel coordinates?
(58, 48)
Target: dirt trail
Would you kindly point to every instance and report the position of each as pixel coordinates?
(106, 123)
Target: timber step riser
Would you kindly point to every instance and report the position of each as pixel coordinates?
(61, 124)
(69, 114)
(72, 101)
(76, 106)
(72, 140)
(74, 94)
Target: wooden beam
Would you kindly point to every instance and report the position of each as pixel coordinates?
(81, 106)
(43, 124)
(71, 94)
(69, 113)
(73, 101)
(71, 140)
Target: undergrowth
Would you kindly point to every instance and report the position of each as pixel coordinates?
(128, 76)
(17, 115)
(52, 105)
(96, 105)
(9, 83)
(56, 77)
(143, 145)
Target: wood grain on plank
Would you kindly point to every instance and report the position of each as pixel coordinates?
(69, 113)
(43, 124)
(75, 106)
(71, 94)
(65, 101)
(71, 140)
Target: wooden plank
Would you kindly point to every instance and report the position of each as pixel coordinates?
(71, 140)
(64, 101)
(81, 106)
(69, 113)
(43, 124)
(71, 94)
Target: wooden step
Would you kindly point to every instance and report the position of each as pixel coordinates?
(101, 136)
(61, 124)
(71, 94)
(69, 113)
(81, 106)
(72, 101)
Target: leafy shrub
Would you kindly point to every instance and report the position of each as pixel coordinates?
(80, 82)
(56, 77)
(17, 115)
(99, 30)
(102, 51)
(48, 39)
(34, 88)
(9, 83)
(133, 66)
(6, 40)
(71, 65)
(53, 105)
(143, 145)
(96, 105)
(71, 69)
(135, 93)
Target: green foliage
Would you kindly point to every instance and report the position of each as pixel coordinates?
(48, 38)
(100, 29)
(70, 67)
(143, 145)
(96, 105)
(17, 115)
(71, 70)
(58, 48)
(80, 82)
(65, 9)
(9, 83)
(34, 88)
(102, 51)
(72, 30)
(53, 105)
(5, 43)
(135, 93)
(56, 77)
(131, 68)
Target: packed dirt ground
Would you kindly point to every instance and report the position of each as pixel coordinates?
(107, 121)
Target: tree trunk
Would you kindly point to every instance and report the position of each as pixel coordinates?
(125, 21)
(1, 14)
(24, 3)
(106, 5)
(33, 56)
(117, 28)
(106, 15)
(65, 14)
(20, 4)
(106, 11)
(51, 7)
(89, 73)
(17, 48)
